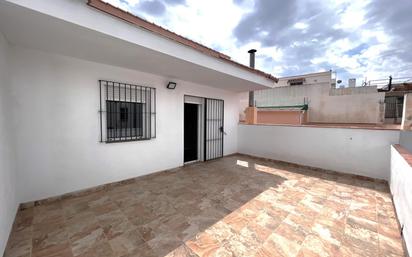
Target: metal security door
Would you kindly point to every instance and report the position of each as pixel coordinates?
(394, 108)
(214, 131)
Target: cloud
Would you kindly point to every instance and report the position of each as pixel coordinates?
(152, 7)
(357, 50)
(175, 2)
(298, 28)
(282, 23)
(356, 38)
(395, 18)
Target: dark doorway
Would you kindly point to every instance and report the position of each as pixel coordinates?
(191, 132)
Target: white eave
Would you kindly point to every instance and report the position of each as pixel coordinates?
(71, 28)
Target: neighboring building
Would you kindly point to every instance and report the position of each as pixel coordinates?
(324, 102)
(319, 78)
(352, 82)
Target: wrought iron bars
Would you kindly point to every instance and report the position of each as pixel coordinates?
(127, 112)
(214, 129)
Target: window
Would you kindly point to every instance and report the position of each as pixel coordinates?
(296, 82)
(129, 122)
(127, 112)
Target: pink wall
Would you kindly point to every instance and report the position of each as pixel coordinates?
(281, 116)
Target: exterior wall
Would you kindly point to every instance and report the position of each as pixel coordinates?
(356, 151)
(8, 200)
(326, 104)
(350, 108)
(400, 184)
(310, 79)
(405, 140)
(407, 112)
(56, 124)
(354, 91)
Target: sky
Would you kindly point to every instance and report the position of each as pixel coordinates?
(363, 39)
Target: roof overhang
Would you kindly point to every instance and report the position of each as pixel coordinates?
(92, 35)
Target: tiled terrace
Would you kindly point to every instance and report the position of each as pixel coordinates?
(235, 206)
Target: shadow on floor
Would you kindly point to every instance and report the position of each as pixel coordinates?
(234, 206)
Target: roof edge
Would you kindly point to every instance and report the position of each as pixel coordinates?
(154, 28)
(313, 74)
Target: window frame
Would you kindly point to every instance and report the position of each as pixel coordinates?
(116, 96)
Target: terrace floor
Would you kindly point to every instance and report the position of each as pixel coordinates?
(234, 206)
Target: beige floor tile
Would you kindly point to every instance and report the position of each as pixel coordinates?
(234, 206)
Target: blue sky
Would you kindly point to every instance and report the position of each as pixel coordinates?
(369, 39)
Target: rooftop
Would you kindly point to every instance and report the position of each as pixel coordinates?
(234, 206)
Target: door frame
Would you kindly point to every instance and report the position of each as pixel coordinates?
(201, 101)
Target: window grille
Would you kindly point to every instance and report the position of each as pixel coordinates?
(393, 107)
(127, 112)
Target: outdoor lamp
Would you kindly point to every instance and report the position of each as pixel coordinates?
(171, 85)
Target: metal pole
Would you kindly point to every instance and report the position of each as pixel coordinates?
(252, 65)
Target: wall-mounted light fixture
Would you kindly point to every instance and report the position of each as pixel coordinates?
(171, 85)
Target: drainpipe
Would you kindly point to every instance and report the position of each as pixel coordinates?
(252, 65)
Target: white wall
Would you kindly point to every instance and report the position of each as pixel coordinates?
(56, 124)
(405, 139)
(8, 200)
(360, 105)
(400, 184)
(356, 151)
(310, 79)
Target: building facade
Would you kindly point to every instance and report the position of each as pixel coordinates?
(325, 102)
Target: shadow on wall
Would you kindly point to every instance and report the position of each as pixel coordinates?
(400, 184)
(405, 139)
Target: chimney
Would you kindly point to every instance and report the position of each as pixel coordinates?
(252, 65)
(252, 58)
